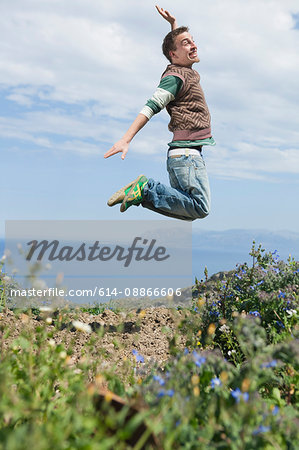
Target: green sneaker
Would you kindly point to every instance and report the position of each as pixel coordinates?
(118, 196)
(134, 194)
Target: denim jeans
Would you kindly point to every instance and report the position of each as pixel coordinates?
(188, 196)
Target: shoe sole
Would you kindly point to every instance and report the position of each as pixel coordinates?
(118, 196)
(123, 205)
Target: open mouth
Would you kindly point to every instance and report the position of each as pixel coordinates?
(192, 55)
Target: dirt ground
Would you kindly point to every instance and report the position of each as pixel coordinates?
(114, 335)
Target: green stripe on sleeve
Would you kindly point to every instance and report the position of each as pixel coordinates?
(154, 106)
(171, 84)
(167, 90)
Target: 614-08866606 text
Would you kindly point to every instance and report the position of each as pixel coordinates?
(139, 292)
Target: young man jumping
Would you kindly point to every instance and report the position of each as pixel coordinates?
(188, 196)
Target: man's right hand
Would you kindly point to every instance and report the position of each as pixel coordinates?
(120, 146)
(167, 16)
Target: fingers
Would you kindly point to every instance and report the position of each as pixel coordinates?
(161, 11)
(109, 153)
(124, 154)
(113, 151)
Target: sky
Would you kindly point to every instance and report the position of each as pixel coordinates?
(75, 73)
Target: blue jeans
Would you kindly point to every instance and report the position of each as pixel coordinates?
(188, 198)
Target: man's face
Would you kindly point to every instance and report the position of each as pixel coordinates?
(186, 51)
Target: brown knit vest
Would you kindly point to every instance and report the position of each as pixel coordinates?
(190, 117)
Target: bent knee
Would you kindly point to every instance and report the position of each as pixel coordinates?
(201, 213)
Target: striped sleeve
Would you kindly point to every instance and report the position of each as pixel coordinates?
(167, 90)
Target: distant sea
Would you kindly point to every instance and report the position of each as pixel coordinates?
(223, 250)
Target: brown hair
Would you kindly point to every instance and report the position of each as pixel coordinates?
(169, 41)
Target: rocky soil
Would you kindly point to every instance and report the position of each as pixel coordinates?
(109, 338)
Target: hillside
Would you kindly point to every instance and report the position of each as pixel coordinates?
(221, 373)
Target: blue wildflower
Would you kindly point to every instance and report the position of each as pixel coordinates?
(159, 379)
(237, 394)
(275, 411)
(261, 429)
(215, 382)
(139, 358)
(281, 294)
(280, 324)
(163, 393)
(255, 313)
(245, 397)
(275, 256)
(269, 365)
(199, 360)
(186, 351)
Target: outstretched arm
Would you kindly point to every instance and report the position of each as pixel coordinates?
(167, 16)
(122, 146)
